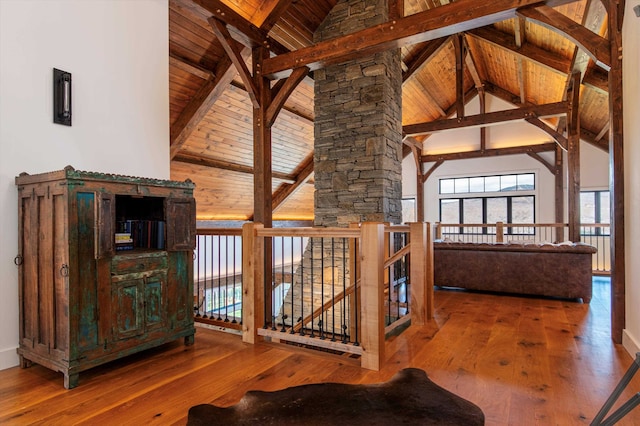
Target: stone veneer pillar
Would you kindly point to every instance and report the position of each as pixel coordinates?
(357, 160)
(358, 126)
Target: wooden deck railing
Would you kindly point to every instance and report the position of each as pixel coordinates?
(349, 287)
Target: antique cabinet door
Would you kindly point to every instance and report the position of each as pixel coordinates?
(106, 225)
(181, 224)
(44, 269)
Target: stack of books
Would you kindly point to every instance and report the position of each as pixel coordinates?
(148, 234)
(124, 241)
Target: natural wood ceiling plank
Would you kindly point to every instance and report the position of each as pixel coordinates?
(450, 19)
(201, 104)
(528, 51)
(597, 47)
(190, 67)
(427, 52)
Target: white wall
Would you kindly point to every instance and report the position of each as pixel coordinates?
(631, 109)
(117, 52)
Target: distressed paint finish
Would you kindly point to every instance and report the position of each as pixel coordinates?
(82, 303)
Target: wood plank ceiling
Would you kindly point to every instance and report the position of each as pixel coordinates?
(522, 60)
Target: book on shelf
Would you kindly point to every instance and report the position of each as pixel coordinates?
(148, 234)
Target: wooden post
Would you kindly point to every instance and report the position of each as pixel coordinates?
(573, 160)
(499, 232)
(421, 306)
(252, 282)
(355, 275)
(373, 342)
(616, 172)
(438, 231)
(559, 181)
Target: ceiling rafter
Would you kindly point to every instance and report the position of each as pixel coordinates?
(446, 20)
(201, 103)
(514, 150)
(286, 190)
(529, 111)
(244, 31)
(226, 165)
(235, 54)
(597, 47)
(426, 53)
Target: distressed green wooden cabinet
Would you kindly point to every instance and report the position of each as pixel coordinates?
(83, 302)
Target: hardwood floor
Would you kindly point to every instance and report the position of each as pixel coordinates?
(524, 361)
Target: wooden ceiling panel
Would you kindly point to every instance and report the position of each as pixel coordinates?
(417, 105)
(592, 105)
(220, 194)
(543, 86)
(190, 36)
(439, 76)
(299, 206)
(218, 154)
(500, 65)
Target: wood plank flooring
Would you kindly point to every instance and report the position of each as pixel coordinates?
(524, 361)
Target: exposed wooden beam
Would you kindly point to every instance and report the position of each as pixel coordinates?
(283, 92)
(190, 67)
(432, 169)
(290, 110)
(520, 39)
(428, 51)
(597, 80)
(562, 141)
(226, 165)
(597, 47)
(522, 113)
(591, 138)
(244, 31)
(470, 62)
(287, 190)
(201, 103)
(458, 45)
(602, 132)
(573, 160)
(234, 53)
(269, 12)
(449, 19)
(528, 51)
(396, 9)
(515, 150)
(616, 171)
(538, 157)
(262, 145)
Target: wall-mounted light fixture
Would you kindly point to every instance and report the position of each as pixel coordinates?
(636, 9)
(61, 97)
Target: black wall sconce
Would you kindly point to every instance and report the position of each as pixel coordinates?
(61, 97)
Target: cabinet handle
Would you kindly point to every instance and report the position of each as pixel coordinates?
(18, 260)
(64, 270)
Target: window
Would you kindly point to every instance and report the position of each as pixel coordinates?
(594, 212)
(513, 206)
(500, 183)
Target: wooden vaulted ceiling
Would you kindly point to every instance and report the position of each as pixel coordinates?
(527, 60)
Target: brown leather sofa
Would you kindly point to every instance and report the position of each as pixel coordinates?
(558, 270)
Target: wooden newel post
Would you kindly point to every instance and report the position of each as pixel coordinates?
(421, 306)
(372, 296)
(499, 232)
(252, 282)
